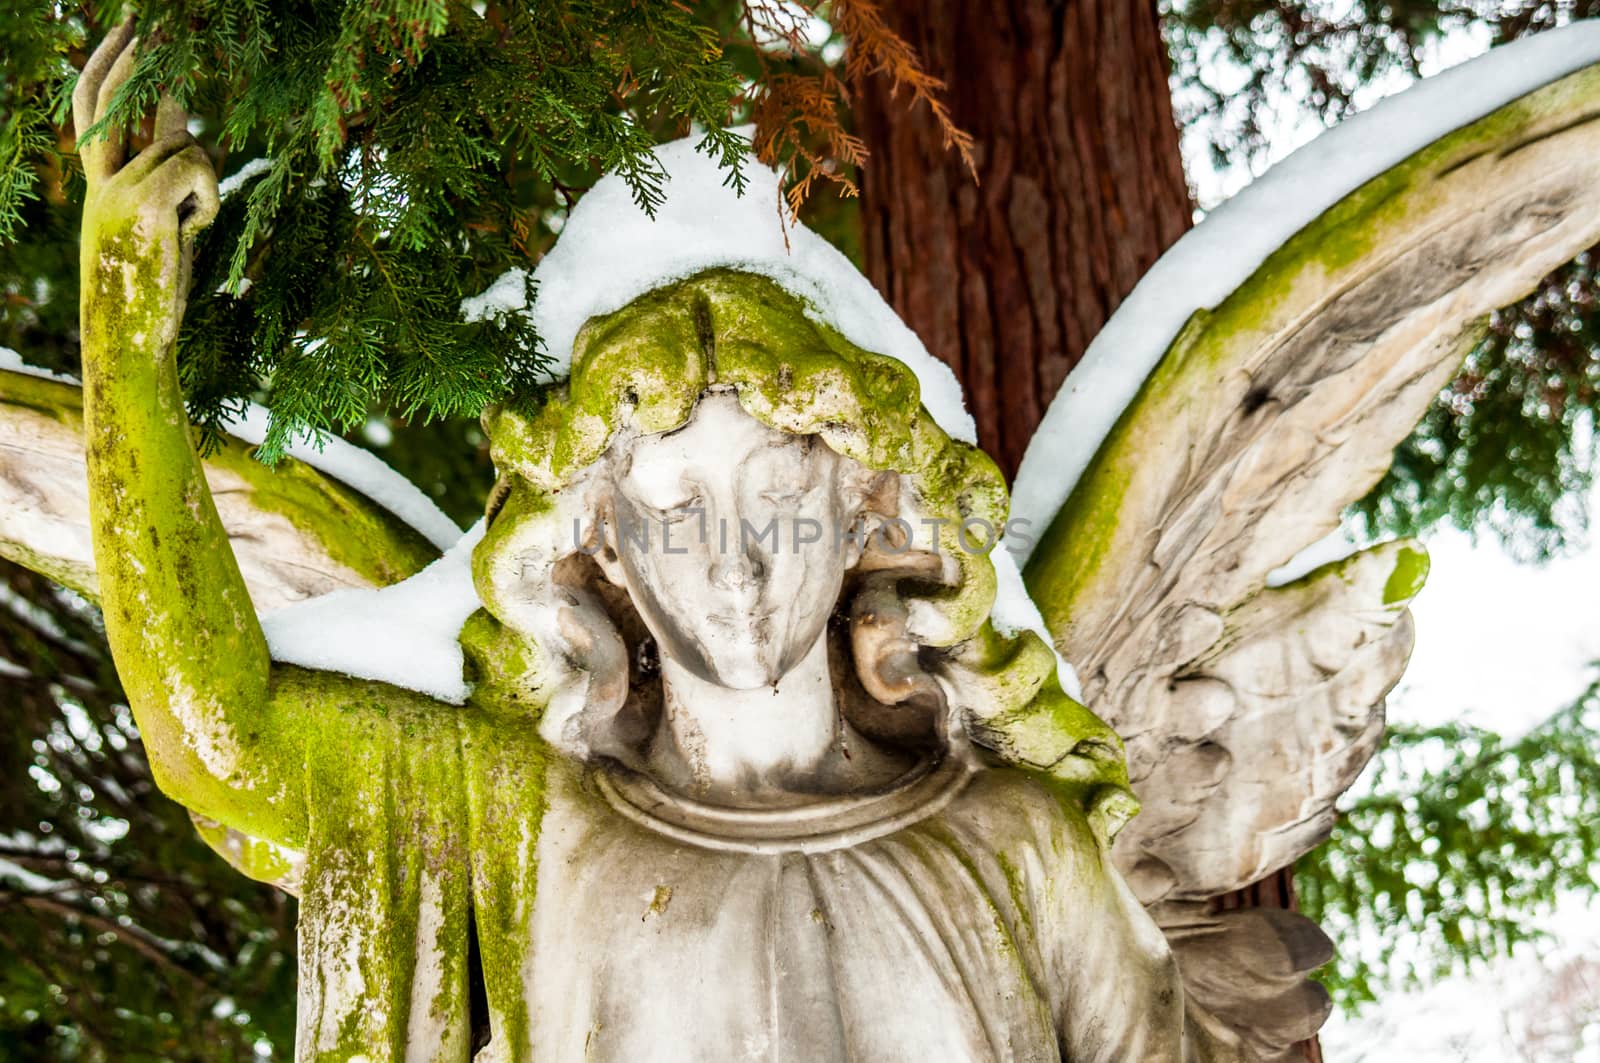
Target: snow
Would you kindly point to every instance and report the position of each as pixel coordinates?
(348, 464)
(12, 362)
(611, 252)
(377, 432)
(1287, 116)
(405, 634)
(362, 470)
(1335, 546)
(1015, 612)
(1220, 253)
(232, 183)
(507, 295)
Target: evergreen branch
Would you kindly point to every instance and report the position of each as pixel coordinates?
(417, 149)
(1458, 839)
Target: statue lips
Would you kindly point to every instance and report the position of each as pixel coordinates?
(740, 617)
(739, 645)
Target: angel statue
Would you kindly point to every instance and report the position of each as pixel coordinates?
(748, 740)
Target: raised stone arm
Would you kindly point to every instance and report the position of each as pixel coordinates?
(181, 625)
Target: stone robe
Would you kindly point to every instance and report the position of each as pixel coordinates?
(968, 913)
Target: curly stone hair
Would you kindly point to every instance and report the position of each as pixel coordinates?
(918, 631)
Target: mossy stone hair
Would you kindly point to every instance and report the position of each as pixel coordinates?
(645, 366)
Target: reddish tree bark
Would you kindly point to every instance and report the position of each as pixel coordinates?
(1007, 274)
(1079, 189)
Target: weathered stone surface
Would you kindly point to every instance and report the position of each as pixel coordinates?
(811, 804)
(1267, 417)
(296, 532)
(1246, 710)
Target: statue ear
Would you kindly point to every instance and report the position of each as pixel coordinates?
(866, 492)
(601, 537)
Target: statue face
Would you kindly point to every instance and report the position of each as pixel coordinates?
(727, 539)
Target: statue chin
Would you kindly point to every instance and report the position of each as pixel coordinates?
(744, 664)
(744, 675)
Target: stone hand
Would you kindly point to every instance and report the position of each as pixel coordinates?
(141, 215)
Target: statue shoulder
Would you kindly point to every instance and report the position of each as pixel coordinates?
(1015, 811)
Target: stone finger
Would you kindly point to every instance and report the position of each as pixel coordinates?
(206, 200)
(186, 184)
(171, 118)
(100, 159)
(87, 91)
(108, 153)
(155, 155)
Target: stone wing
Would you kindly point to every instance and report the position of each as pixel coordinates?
(1247, 709)
(297, 533)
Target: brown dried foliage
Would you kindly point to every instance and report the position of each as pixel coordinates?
(798, 101)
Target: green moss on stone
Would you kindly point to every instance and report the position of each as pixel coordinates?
(1410, 573)
(1083, 547)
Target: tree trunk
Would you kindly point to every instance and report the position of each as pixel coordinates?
(1009, 273)
(1079, 189)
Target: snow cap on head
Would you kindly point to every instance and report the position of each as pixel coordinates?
(611, 252)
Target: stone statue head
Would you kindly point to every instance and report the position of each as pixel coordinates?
(732, 539)
(723, 481)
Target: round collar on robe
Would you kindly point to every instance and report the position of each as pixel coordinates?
(834, 822)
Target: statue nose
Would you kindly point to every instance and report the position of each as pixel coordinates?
(735, 572)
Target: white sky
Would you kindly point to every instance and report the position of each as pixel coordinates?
(1537, 1006)
(1501, 645)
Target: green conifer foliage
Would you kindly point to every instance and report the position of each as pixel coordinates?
(389, 159)
(122, 937)
(1457, 839)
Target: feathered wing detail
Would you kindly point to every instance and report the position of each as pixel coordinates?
(1266, 725)
(1244, 973)
(296, 533)
(1247, 710)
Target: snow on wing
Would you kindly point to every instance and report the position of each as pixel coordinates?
(1247, 710)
